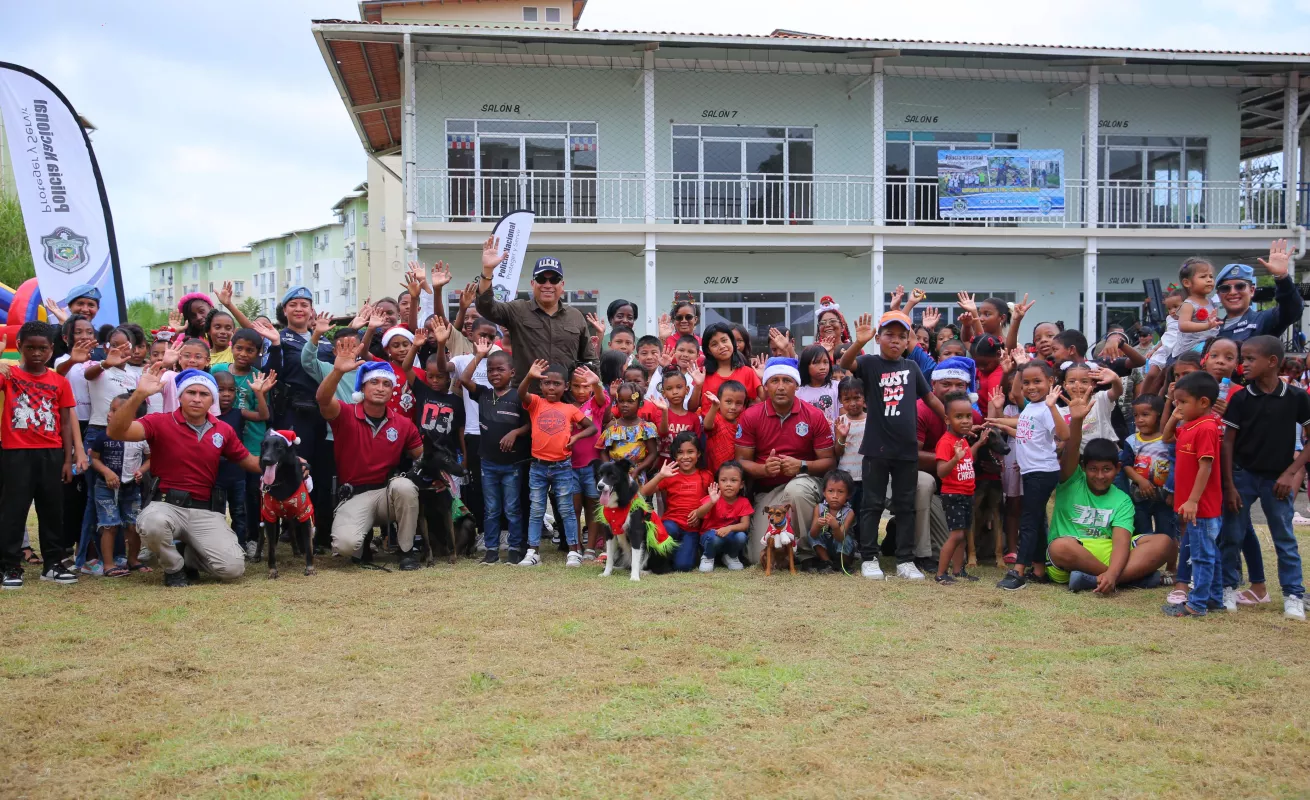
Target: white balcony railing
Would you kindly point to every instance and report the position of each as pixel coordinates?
(758, 199)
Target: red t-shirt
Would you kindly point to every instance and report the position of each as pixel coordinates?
(725, 513)
(1198, 439)
(185, 461)
(931, 428)
(679, 421)
(683, 494)
(988, 381)
(365, 457)
(552, 427)
(720, 443)
(959, 480)
(744, 375)
(32, 405)
(800, 434)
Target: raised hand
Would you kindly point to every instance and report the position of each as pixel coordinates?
(828, 343)
(265, 328)
(1078, 408)
(175, 320)
(659, 402)
(440, 276)
(365, 311)
(347, 355)
(224, 293)
(1020, 356)
(1007, 361)
(931, 317)
(596, 323)
(262, 383)
(1021, 308)
(377, 319)
(996, 396)
(414, 279)
(843, 427)
(960, 447)
(491, 254)
(667, 356)
(757, 364)
(80, 353)
(420, 338)
(53, 311)
(666, 327)
(897, 297)
(712, 398)
(440, 329)
(467, 296)
(1053, 397)
(669, 469)
(965, 319)
(588, 377)
(1278, 258)
(322, 323)
(967, 303)
(863, 330)
(538, 369)
(173, 353)
(117, 356)
(696, 375)
(714, 492)
(151, 380)
(917, 296)
(482, 346)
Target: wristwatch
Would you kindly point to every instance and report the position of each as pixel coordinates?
(805, 468)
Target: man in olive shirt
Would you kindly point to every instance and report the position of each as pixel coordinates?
(540, 328)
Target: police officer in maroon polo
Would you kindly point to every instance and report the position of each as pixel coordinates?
(185, 448)
(370, 440)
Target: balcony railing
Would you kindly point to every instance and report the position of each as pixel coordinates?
(770, 199)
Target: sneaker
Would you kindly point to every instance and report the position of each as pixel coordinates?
(93, 568)
(1300, 519)
(588, 555)
(706, 564)
(13, 579)
(490, 557)
(408, 562)
(574, 559)
(531, 559)
(928, 566)
(1080, 581)
(1012, 581)
(732, 562)
(176, 580)
(871, 570)
(514, 557)
(825, 568)
(64, 576)
(1294, 608)
(1153, 581)
(192, 574)
(554, 538)
(120, 561)
(908, 571)
(1230, 599)
(250, 549)
(945, 580)
(965, 575)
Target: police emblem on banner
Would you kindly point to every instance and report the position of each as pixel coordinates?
(802, 428)
(392, 434)
(217, 439)
(65, 250)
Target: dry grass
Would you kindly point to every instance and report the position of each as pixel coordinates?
(482, 681)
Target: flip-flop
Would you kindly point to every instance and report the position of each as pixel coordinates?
(1177, 597)
(139, 567)
(117, 572)
(1010, 558)
(30, 556)
(1246, 597)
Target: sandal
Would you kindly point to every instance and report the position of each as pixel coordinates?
(1010, 558)
(30, 556)
(1177, 597)
(1246, 597)
(139, 567)
(117, 572)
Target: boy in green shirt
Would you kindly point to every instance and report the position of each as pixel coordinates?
(1091, 543)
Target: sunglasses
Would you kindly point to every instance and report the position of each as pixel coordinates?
(548, 277)
(1239, 286)
(686, 318)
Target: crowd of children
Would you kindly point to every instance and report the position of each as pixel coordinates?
(1175, 442)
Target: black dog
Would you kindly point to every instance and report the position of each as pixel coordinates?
(618, 494)
(429, 474)
(285, 504)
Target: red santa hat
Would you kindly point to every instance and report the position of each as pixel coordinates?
(290, 436)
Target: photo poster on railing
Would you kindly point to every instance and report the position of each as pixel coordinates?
(513, 230)
(1000, 183)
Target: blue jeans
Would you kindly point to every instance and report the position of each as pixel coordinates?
(729, 546)
(117, 508)
(1037, 489)
(558, 479)
(500, 495)
(1278, 513)
(1155, 516)
(586, 478)
(684, 558)
(1207, 580)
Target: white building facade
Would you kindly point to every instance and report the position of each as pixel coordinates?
(762, 173)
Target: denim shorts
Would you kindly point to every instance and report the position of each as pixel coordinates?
(111, 513)
(586, 481)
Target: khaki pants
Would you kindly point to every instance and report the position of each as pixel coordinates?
(930, 531)
(397, 502)
(211, 544)
(803, 493)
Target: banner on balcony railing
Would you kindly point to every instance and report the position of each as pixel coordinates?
(65, 209)
(513, 230)
(1000, 183)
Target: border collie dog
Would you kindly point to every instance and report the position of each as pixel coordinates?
(625, 515)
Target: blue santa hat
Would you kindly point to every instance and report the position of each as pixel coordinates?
(195, 377)
(371, 370)
(787, 367)
(959, 368)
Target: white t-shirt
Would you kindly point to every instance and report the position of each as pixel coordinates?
(1035, 442)
(653, 388)
(823, 398)
(1097, 424)
(77, 379)
(110, 384)
(851, 460)
(458, 364)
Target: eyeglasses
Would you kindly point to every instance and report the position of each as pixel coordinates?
(548, 277)
(686, 318)
(1237, 286)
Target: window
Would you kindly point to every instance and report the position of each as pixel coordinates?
(1113, 308)
(318, 299)
(211, 286)
(298, 246)
(552, 14)
(219, 264)
(499, 165)
(298, 275)
(529, 14)
(759, 311)
(288, 277)
(327, 296)
(239, 287)
(288, 248)
(364, 221)
(743, 174)
(947, 303)
(912, 170)
(1152, 180)
(315, 270)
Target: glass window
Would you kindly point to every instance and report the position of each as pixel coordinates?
(743, 174)
(529, 14)
(517, 126)
(552, 15)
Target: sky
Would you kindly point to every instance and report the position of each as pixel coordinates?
(219, 123)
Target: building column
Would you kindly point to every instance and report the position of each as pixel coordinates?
(1090, 307)
(879, 148)
(407, 149)
(651, 301)
(648, 133)
(1291, 125)
(876, 266)
(1092, 192)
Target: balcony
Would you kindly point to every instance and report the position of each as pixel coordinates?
(616, 197)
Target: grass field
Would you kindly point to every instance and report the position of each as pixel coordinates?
(488, 681)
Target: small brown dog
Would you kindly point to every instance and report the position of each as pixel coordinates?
(779, 539)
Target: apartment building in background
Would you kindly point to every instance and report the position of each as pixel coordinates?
(761, 172)
(171, 280)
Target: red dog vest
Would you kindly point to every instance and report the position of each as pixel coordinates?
(297, 507)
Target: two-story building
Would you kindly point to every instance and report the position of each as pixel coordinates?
(760, 173)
